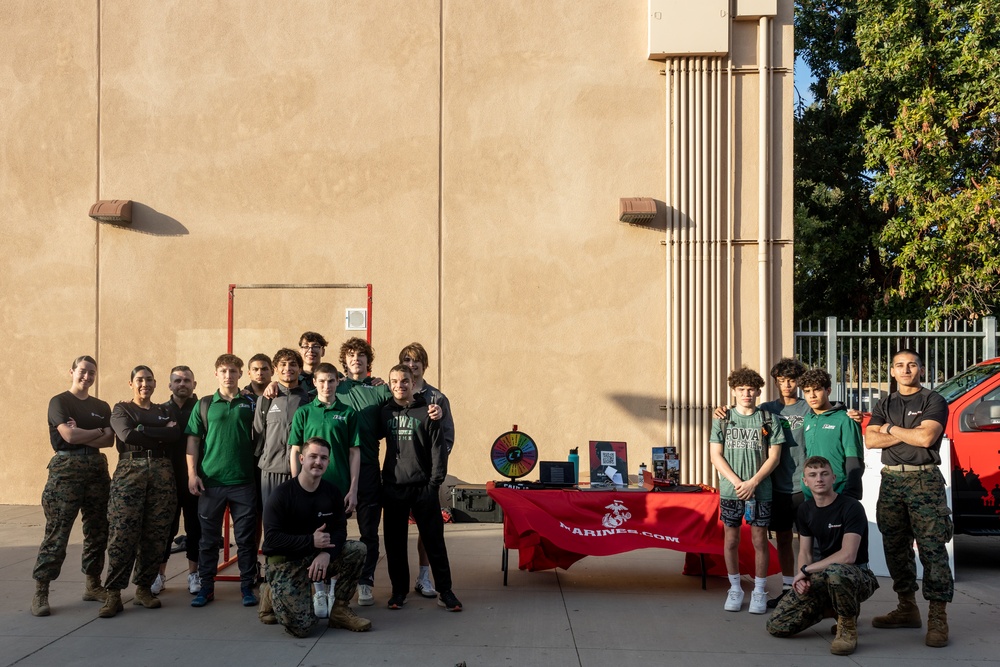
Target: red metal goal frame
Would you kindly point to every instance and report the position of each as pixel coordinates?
(228, 558)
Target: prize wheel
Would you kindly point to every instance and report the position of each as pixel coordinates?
(514, 454)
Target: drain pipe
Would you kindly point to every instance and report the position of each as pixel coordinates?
(763, 193)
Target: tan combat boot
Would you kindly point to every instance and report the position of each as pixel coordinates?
(112, 604)
(40, 603)
(937, 625)
(94, 592)
(342, 616)
(905, 615)
(145, 597)
(847, 636)
(265, 611)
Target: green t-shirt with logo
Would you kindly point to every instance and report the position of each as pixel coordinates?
(787, 477)
(227, 450)
(744, 449)
(337, 424)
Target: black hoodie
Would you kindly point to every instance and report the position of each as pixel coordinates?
(415, 452)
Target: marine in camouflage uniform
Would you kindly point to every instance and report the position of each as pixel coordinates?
(908, 426)
(77, 483)
(143, 493)
(291, 589)
(305, 540)
(833, 578)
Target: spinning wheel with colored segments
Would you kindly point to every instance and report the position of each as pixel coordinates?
(514, 454)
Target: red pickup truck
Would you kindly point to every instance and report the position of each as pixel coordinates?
(974, 429)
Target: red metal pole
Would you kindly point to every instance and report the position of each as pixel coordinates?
(369, 318)
(229, 326)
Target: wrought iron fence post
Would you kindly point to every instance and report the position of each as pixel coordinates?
(831, 350)
(989, 337)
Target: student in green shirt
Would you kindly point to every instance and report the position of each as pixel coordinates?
(328, 418)
(336, 423)
(745, 449)
(221, 473)
(831, 433)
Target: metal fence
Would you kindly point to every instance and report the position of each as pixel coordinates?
(857, 353)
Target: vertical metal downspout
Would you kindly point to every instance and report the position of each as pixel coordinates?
(763, 191)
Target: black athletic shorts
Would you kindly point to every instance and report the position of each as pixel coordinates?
(731, 512)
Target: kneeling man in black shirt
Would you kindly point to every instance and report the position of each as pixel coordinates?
(837, 527)
(305, 540)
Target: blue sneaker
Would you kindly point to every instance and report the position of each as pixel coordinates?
(249, 599)
(203, 598)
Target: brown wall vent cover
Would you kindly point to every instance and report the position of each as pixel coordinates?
(118, 211)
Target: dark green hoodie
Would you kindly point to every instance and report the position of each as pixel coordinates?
(837, 438)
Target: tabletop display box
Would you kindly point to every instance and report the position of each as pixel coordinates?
(604, 455)
(667, 464)
(471, 504)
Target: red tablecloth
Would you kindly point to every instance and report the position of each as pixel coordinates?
(556, 528)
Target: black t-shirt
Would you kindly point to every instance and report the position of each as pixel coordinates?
(181, 415)
(828, 525)
(292, 515)
(908, 412)
(155, 434)
(90, 413)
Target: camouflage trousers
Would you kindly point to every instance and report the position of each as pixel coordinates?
(140, 510)
(912, 506)
(840, 588)
(76, 485)
(292, 591)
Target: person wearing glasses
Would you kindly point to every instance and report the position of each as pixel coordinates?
(313, 347)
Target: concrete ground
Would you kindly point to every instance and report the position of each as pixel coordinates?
(632, 609)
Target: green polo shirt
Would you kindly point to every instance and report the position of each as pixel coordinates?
(337, 424)
(367, 401)
(227, 452)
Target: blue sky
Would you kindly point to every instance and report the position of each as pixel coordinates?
(803, 79)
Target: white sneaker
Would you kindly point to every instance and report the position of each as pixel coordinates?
(158, 585)
(365, 597)
(758, 602)
(425, 587)
(321, 604)
(194, 583)
(734, 601)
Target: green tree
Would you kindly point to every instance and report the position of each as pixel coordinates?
(926, 90)
(839, 270)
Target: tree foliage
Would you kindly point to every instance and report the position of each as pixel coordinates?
(925, 90)
(838, 267)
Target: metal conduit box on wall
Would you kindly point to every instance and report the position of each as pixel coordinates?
(686, 28)
(754, 9)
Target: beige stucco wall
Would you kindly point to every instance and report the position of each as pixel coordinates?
(465, 158)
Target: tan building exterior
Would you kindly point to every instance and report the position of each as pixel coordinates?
(466, 158)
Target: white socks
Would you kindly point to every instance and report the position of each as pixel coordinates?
(734, 582)
(424, 572)
(759, 584)
(786, 582)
